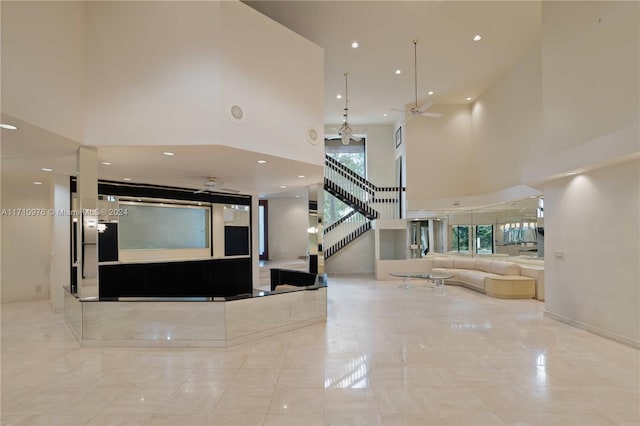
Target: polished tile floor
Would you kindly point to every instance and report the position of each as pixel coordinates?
(385, 356)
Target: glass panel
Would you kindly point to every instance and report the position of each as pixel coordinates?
(484, 239)
(353, 157)
(163, 227)
(460, 239)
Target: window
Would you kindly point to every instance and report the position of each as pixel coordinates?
(484, 239)
(460, 238)
(352, 156)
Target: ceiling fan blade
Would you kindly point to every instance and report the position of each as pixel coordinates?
(355, 139)
(425, 106)
(397, 109)
(431, 114)
(202, 191)
(231, 190)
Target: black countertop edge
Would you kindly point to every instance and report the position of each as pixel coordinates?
(256, 294)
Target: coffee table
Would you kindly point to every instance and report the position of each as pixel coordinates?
(438, 279)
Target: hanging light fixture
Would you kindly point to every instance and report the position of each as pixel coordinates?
(346, 132)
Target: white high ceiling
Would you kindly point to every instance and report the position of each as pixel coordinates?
(449, 62)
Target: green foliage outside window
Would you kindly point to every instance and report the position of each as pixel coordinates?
(334, 209)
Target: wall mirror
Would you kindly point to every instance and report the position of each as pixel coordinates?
(503, 230)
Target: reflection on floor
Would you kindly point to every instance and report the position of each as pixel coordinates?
(386, 356)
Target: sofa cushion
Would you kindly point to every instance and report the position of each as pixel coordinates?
(442, 262)
(483, 265)
(471, 278)
(504, 268)
(464, 263)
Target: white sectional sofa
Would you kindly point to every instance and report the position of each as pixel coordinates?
(497, 278)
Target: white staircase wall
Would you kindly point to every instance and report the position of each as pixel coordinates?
(355, 258)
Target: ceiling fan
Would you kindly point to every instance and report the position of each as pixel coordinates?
(345, 131)
(213, 185)
(415, 110)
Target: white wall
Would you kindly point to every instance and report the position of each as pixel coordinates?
(356, 258)
(25, 244)
(288, 223)
(437, 156)
(380, 151)
(506, 121)
(593, 221)
(154, 69)
(166, 72)
(590, 71)
(277, 76)
(591, 111)
(43, 64)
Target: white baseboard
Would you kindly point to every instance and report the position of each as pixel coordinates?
(595, 330)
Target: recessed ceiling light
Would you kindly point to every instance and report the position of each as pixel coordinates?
(46, 169)
(477, 37)
(301, 176)
(385, 114)
(37, 183)
(297, 196)
(283, 186)
(431, 92)
(468, 98)
(355, 45)
(105, 163)
(168, 153)
(261, 161)
(127, 179)
(338, 96)
(398, 72)
(8, 126)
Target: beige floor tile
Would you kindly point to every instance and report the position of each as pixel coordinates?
(352, 419)
(293, 420)
(176, 419)
(46, 420)
(297, 401)
(119, 420)
(301, 378)
(384, 356)
(244, 401)
(256, 377)
(189, 400)
(235, 420)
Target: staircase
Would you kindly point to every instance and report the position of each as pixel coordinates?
(367, 201)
